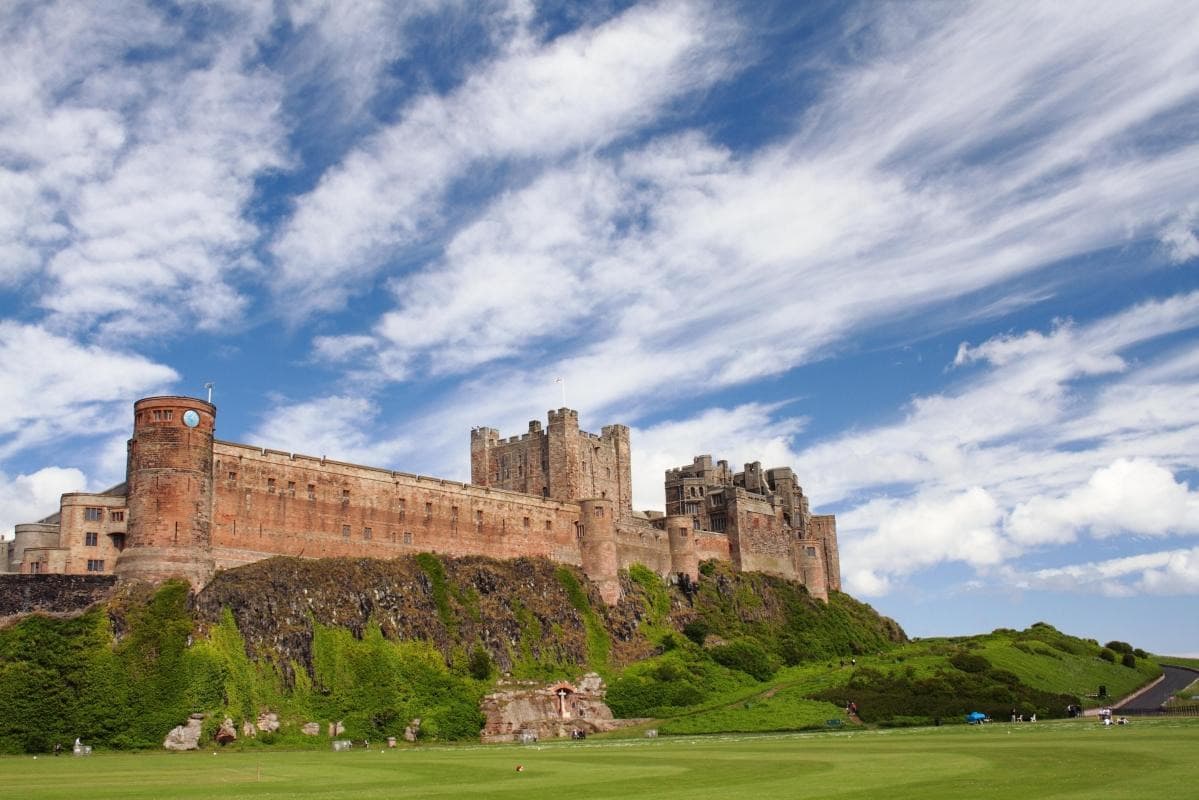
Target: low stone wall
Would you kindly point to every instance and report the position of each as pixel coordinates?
(52, 594)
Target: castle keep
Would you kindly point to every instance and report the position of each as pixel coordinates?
(192, 504)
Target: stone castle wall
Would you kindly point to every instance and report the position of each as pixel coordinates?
(192, 504)
(269, 502)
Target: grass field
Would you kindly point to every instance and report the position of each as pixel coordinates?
(1150, 758)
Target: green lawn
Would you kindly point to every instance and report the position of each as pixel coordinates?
(1150, 758)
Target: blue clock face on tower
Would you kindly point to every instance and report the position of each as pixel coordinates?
(190, 418)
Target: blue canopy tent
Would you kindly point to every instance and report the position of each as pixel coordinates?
(975, 717)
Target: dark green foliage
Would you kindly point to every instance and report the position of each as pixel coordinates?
(788, 622)
(696, 631)
(948, 694)
(667, 684)
(1139, 653)
(1119, 647)
(707, 568)
(968, 662)
(746, 655)
(1129, 660)
(1107, 655)
(480, 666)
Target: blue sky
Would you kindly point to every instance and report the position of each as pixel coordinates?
(941, 258)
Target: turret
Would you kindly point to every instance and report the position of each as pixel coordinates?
(681, 535)
(169, 529)
(597, 545)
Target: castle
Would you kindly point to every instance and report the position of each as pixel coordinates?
(192, 504)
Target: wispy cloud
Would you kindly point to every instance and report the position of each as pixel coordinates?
(535, 102)
(132, 175)
(56, 388)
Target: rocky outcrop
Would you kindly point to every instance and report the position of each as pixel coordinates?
(486, 601)
(522, 710)
(268, 722)
(311, 729)
(186, 737)
(412, 731)
(52, 594)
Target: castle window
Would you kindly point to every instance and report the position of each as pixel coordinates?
(93, 514)
(345, 496)
(428, 511)
(117, 516)
(167, 415)
(95, 565)
(608, 471)
(407, 537)
(479, 519)
(520, 471)
(400, 506)
(367, 533)
(291, 488)
(549, 525)
(158, 413)
(599, 511)
(35, 567)
(453, 513)
(232, 475)
(90, 538)
(312, 491)
(526, 523)
(718, 522)
(811, 551)
(270, 485)
(345, 531)
(545, 491)
(118, 541)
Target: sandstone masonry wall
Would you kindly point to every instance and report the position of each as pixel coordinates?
(270, 502)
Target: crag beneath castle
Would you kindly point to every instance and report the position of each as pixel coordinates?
(192, 504)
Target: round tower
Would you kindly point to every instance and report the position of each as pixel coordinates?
(681, 535)
(169, 530)
(597, 546)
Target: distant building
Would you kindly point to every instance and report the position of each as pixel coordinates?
(191, 504)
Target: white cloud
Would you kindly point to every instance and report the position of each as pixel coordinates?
(579, 91)
(130, 176)
(28, 498)
(913, 534)
(335, 426)
(56, 387)
(1179, 239)
(1130, 496)
(1170, 572)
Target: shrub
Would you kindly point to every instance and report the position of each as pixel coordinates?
(1129, 660)
(968, 662)
(480, 664)
(746, 655)
(696, 631)
(1119, 647)
(1107, 655)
